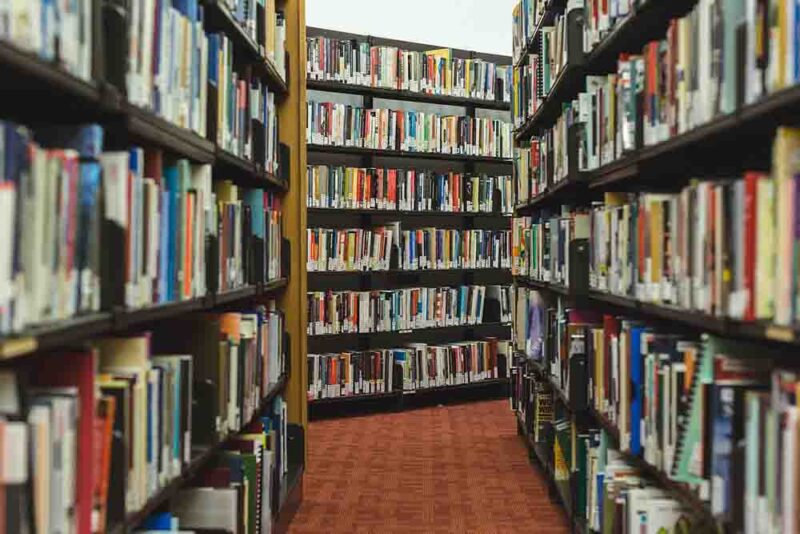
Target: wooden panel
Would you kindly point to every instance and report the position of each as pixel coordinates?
(292, 117)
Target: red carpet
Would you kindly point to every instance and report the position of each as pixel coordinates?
(438, 470)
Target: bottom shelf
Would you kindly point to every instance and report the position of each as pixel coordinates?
(201, 458)
(399, 400)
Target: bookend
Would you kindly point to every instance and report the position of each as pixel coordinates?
(575, 19)
(491, 311)
(260, 143)
(112, 281)
(287, 352)
(497, 205)
(284, 163)
(204, 428)
(578, 378)
(212, 272)
(579, 268)
(286, 258)
(113, 55)
(394, 258)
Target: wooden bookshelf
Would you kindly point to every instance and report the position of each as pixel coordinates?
(35, 90)
(364, 218)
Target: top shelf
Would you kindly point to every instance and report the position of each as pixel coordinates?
(41, 88)
(220, 18)
(410, 96)
(551, 9)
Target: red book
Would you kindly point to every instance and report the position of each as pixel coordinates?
(76, 369)
(610, 330)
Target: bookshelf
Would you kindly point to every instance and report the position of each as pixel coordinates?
(718, 149)
(353, 156)
(40, 93)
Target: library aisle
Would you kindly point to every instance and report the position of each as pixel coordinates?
(459, 468)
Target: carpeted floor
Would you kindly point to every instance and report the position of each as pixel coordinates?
(438, 470)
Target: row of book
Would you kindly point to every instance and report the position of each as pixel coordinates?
(344, 312)
(340, 187)
(172, 62)
(534, 78)
(702, 69)
(335, 124)
(357, 249)
(417, 366)
(540, 246)
(718, 416)
(96, 436)
(55, 32)
(245, 112)
(434, 72)
(175, 234)
(722, 247)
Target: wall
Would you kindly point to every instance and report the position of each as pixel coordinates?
(480, 25)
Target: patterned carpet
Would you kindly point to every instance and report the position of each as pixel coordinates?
(441, 470)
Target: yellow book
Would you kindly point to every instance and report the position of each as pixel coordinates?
(447, 55)
(130, 357)
(786, 154)
(269, 24)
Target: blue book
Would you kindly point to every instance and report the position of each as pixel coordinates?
(637, 386)
(254, 198)
(213, 56)
(172, 187)
(158, 521)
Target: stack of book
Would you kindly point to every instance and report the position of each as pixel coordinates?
(335, 124)
(437, 72)
(343, 312)
(406, 189)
